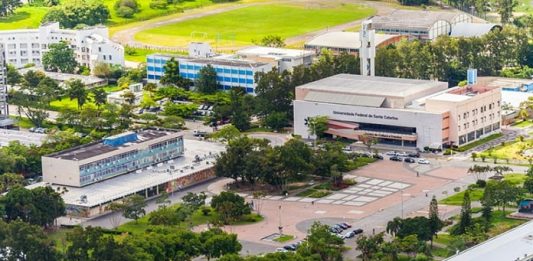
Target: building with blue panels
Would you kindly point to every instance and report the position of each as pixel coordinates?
(230, 72)
(111, 157)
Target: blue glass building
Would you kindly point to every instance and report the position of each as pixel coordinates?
(230, 72)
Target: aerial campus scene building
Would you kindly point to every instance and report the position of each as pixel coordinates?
(354, 123)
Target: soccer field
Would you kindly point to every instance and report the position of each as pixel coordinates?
(243, 26)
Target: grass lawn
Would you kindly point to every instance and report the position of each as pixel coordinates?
(59, 236)
(457, 199)
(511, 150)
(112, 88)
(25, 17)
(284, 238)
(500, 223)
(314, 193)
(23, 122)
(524, 6)
(524, 124)
(239, 27)
(479, 142)
(139, 55)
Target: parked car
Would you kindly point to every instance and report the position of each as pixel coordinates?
(390, 153)
(347, 225)
(349, 234)
(423, 161)
(281, 249)
(414, 155)
(343, 226)
(335, 230)
(198, 133)
(338, 227)
(395, 158)
(409, 160)
(32, 129)
(290, 247)
(377, 156)
(401, 154)
(358, 231)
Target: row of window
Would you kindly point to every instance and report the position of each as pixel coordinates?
(482, 109)
(473, 135)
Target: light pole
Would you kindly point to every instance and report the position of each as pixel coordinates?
(406, 195)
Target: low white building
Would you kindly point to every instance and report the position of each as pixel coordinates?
(118, 97)
(91, 45)
(282, 58)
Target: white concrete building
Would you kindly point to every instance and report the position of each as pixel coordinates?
(282, 58)
(349, 42)
(423, 25)
(91, 45)
(402, 112)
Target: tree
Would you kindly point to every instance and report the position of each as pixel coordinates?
(419, 226)
(230, 206)
(9, 180)
(369, 245)
(102, 70)
(40, 206)
(435, 224)
(505, 9)
(274, 93)
(276, 120)
(131, 207)
(240, 116)
(465, 221)
(8, 7)
(193, 200)
(76, 91)
(126, 8)
(13, 76)
(503, 193)
(227, 133)
(23, 241)
(83, 242)
(320, 242)
(216, 243)
(74, 13)
(60, 58)
(317, 125)
(272, 41)
(100, 97)
(173, 122)
(172, 75)
(393, 226)
(207, 80)
(368, 141)
(150, 88)
(165, 216)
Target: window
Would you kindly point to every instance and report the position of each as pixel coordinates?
(100, 49)
(110, 57)
(150, 60)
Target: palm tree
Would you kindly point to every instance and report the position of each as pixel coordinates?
(76, 90)
(100, 97)
(394, 225)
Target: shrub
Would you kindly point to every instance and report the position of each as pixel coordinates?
(125, 12)
(481, 183)
(206, 211)
(159, 4)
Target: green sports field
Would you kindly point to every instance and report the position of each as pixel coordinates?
(246, 25)
(30, 16)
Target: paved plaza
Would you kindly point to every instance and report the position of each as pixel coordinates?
(365, 191)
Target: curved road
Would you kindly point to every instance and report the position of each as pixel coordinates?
(127, 36)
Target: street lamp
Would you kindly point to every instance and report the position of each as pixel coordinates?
(404, 195)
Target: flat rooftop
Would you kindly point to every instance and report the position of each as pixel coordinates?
(509, 246)
(24, 137)
(345, 40)
(371, 85)
(126, 184)
(274, 52)
(87, 80)
(97, 148)
(225, 60)
(413, 19)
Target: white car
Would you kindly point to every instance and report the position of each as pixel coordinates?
(401, 154)
(391, 153)
(281, 249)
(423, 161)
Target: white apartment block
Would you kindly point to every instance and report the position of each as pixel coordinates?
(91, 45)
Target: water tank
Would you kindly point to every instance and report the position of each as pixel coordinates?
(121, 139)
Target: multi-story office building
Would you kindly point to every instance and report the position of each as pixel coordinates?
(230, 72)
(110, 157)
(91, 45)
(403, 112)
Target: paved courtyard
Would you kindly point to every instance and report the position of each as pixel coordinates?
(365, 191)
